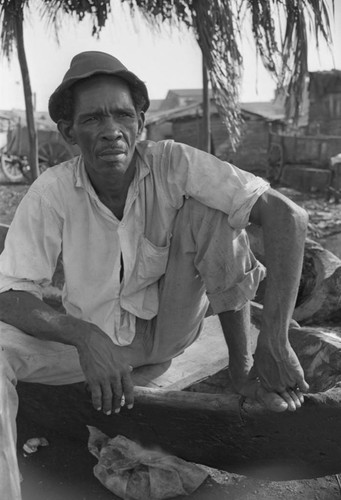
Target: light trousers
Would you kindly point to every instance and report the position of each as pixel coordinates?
(210, 265)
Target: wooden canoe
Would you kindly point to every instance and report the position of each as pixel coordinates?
(219, 430)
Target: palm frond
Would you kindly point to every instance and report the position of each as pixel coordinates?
(9, 11)
(97, 10)
(280, 29)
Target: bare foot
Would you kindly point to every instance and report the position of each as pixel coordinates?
(288, 400)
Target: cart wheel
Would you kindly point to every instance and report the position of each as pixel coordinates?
(12, 168)
(52, 153)
(275, 162)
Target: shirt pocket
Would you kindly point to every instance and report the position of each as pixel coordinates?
(151, 261)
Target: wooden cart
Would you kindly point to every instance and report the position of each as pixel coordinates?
(52, 149)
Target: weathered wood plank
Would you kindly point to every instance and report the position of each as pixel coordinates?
(206, 356)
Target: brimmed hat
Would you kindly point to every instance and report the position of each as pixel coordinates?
(92, 63)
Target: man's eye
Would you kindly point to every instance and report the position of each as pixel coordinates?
(125, 114)
(90, 119)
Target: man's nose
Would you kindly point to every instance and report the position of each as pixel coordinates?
(111, 129)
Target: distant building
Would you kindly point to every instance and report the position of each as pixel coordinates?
(185, 124)
(176, 98)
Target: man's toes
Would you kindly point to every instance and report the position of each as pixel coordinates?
(271, 400)
(292, 399)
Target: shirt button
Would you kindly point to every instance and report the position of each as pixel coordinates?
(122, 224)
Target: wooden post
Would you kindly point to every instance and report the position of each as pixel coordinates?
(31, 128)
(206, 118)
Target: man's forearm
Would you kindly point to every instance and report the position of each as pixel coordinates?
(34, 317)
(105, 368)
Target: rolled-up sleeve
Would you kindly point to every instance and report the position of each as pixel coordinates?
(215, 183)
(32, 246)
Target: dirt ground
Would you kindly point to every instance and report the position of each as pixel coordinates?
(63, 470)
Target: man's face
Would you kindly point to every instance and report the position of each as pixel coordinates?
(105, 125)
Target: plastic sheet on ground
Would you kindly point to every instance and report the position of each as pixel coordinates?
(135, 473)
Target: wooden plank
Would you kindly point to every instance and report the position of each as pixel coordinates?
(206, 356)
(220, 431)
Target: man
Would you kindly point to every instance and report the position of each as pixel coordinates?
(150, 233)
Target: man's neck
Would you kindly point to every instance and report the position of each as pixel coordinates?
(112, 191)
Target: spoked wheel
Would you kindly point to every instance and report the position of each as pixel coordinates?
(52, 153)
(275, 162)
(11, 168)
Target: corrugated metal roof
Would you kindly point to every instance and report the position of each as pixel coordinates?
(195, 93)
(165, 115)
(267, 110)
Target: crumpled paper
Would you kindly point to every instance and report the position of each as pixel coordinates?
(134, 473)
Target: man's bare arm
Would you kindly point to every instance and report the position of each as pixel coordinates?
(104, 367)
(284, 227)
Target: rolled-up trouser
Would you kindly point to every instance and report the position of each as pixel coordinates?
(210, 265)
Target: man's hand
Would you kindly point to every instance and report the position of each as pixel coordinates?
(280, 373)
(105, 368)
(106, 372)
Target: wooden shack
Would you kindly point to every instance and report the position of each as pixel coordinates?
(325, 103)
(185, 124)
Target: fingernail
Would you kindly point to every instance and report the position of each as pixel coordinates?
(130, 406)
(99, 408)
(117, 410)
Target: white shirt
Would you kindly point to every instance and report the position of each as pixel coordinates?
(61, 211)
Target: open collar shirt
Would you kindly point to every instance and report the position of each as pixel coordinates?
(62, 213)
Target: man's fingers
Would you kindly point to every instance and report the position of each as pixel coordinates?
(116, 387)
(128, 390)
(96, 396)
(107, 398)
(111, 395)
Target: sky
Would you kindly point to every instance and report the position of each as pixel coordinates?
(167, 60)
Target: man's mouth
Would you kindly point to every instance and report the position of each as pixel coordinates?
(112, 154)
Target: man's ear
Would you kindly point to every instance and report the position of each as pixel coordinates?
(141, 120)
(66, 129)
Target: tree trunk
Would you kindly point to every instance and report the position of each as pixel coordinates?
(32, 134)
(206, 109)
